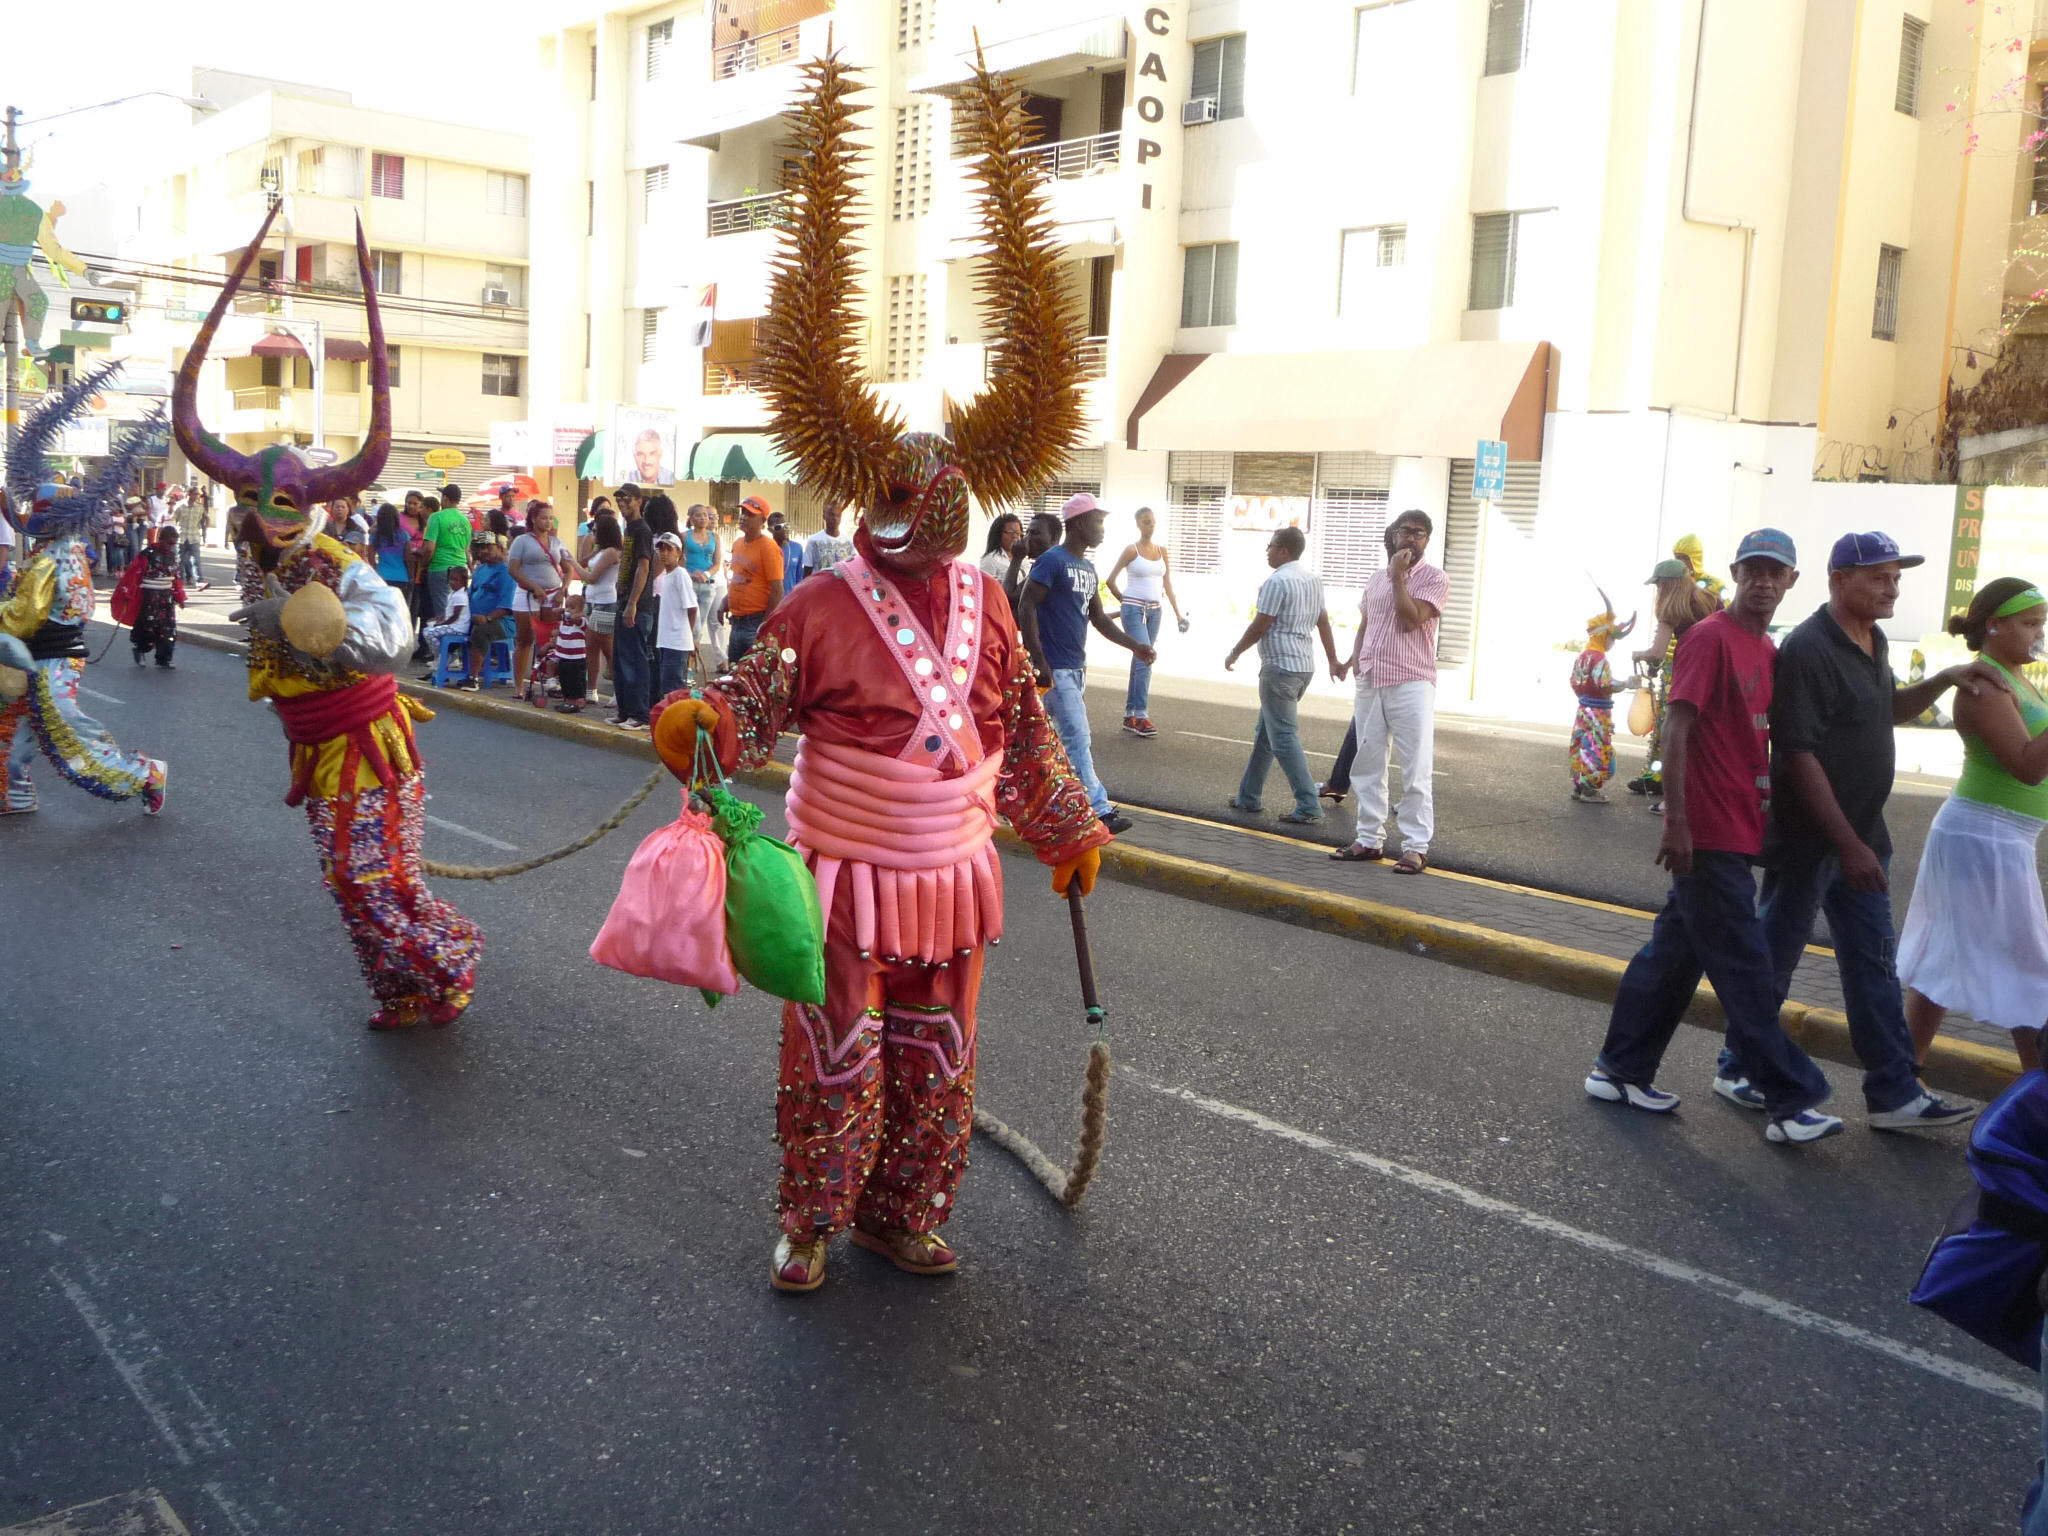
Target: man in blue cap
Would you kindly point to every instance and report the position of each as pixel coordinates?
(1716, 777)
(1833, 708)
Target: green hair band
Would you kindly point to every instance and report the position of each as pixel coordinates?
(2019, 602)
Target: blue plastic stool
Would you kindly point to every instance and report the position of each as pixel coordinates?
(497, 665)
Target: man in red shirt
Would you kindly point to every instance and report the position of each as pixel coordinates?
(1717, 781)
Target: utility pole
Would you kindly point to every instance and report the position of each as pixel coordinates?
(12, 156)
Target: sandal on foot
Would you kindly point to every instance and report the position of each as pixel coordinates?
(799, 1266)
(919, 1253)
(1411, 863)
(1358, 853)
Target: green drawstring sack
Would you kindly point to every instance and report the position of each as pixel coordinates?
(773, 924)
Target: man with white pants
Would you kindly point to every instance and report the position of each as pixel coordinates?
(1395, 662)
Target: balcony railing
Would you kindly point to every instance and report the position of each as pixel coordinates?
(752, 53)
(1094, 357)
(732, 377)
(1075, 157)
(265, 397)
(740, 214)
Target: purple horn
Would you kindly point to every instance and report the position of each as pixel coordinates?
(205, 451)
(348, 479)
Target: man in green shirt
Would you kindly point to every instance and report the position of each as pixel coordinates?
(447, 535)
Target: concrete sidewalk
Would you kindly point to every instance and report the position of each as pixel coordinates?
(1568, 943)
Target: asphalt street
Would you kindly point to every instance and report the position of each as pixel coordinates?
(1503, 802)
(1361, 1257)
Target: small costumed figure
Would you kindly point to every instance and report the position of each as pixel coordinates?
(1592, 746)
(42, 623)
(326, 636)
(24, 227)
(919, 720)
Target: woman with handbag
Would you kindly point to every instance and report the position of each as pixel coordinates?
(538, 561)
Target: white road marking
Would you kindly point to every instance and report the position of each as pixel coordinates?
(461, 831)
(129, 1372)
(1989, 1382)
(94, 693)
(237, 1517)
(1237, 741)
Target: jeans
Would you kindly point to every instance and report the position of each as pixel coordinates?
(1067, 703)
(744, 627)
(675, 670)
(1347, 753)
(437, 594)
(1403, 715)
(631, 666)
(1710, 925)
(1866, 955)
(701, 625)
(1141, 623)
(188, 561)
(1279, 738)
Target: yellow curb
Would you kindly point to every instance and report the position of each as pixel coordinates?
(1953, 1066)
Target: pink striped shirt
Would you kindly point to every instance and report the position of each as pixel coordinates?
(1392, 654)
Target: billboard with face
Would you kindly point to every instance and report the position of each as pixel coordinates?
(640, 445)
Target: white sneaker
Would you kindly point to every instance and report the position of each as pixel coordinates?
(1924, 1112)
(1739, 1091)
(1612, 1091)
(1797, 1130)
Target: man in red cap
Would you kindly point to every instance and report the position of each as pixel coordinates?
(756, 585)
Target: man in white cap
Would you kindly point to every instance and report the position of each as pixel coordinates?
(1061, 601)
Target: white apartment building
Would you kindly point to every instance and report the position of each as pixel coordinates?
(1321, 249)
(444, 209)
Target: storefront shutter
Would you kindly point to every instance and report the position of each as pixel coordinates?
(1197, 485)
(1459, 543)
(1351, 516)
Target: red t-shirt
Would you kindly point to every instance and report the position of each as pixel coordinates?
(1724, 672)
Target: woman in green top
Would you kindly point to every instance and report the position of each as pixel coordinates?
(1976, 935)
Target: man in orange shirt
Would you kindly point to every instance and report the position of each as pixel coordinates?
(756, 584)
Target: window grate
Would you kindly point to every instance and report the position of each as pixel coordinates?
(1493, 261)
(501, 375)
(650, 335)
(1912, 49)
(1352, 520)
(1055, 494)
(659, 36)
(904, 356)
(654, 185)
(1507, 36)
(913, 22)
(910, 185)
(1219, 74)
(1194, 516)
(1884, 322)
(387, 176)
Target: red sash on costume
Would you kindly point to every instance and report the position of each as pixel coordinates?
(312, 718)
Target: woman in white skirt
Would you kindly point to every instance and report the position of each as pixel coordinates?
(1976, 938)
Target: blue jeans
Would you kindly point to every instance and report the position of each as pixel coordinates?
(1710, 925)
(1067, 703)
(632, 674)
(675, 670)
(1141, 623)
(437, 595)
(1279, 737)
(1866, 956)
(744, 628)
(1347, 753)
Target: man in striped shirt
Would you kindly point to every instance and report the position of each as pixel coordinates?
(1290, 605)
(1395, 660)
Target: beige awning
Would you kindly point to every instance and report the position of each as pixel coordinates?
(1053, 50)
(1434, 401)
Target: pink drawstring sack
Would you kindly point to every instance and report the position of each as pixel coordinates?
(668, 921)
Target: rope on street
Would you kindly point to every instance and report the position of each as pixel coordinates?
(611, 823)
(1070, 1185)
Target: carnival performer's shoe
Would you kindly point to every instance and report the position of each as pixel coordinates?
(153, 788)
(404, 1013)
(920, 1253)
(448, 1010)
(799, 1266)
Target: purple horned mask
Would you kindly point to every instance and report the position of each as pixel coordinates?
(276, 489)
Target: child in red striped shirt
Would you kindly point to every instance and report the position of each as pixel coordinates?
(570, 651)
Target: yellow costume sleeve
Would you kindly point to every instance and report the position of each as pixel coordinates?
(35, 589)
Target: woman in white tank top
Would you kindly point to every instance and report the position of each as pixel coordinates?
(1146, 573)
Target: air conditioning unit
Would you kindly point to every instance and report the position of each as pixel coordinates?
(498, 296)
(1202, 109)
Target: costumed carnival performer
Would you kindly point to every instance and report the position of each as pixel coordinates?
(326, 635)
(1591, 753)
(920, 721)
(42, 622)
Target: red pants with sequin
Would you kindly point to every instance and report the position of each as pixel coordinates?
(877, 1090)
(410, 944)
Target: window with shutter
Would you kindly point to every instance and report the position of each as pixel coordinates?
(1912, 46)
(654, 183)
(1884, 323)
(650, 335)
(505, 193)
(1351, 515)
(1507, 36)
(1198, 485)
(659, 36)
(387, 176)
(1493, 261)
(1219, 74)
(1208, 294)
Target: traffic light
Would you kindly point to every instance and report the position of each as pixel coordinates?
(105, 311)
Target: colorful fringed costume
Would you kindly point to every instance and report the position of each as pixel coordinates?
(1591, 752)
(326, 635)
(918, 717)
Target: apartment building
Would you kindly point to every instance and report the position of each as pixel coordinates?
(1700, 264)
(444, 209)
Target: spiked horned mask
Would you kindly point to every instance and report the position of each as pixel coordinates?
(912, 488)
(278, 492)
(1602, 631)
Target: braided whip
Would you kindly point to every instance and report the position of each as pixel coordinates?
(611, 823)
(1068, 1187)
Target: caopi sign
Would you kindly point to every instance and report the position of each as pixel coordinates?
(1151, 92)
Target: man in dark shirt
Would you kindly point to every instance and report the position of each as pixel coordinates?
(633, 632)
(1833, 708)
